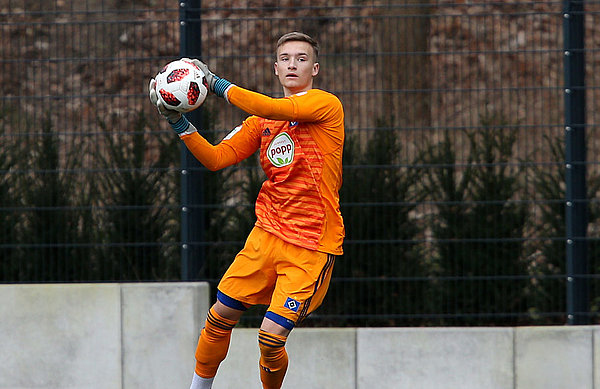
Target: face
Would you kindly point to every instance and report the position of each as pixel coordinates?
(296, 67)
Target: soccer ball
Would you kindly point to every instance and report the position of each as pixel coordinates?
(181, 86)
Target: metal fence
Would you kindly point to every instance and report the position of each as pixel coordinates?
(470, 167)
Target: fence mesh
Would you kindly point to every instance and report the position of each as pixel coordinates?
(454, 163)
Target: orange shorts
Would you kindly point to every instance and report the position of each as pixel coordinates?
(290, 279)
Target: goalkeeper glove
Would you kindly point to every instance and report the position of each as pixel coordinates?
(216, 84)
(177, 121)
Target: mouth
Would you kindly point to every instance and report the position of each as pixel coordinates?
(291, 75)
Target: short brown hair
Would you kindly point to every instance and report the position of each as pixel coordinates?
(299, 36)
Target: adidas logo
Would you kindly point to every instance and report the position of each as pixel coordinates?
(266, 132)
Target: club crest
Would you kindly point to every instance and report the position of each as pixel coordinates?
(292, 304)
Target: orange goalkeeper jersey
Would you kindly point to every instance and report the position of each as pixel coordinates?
(301, 139)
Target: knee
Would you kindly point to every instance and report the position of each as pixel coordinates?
(272, 350)
(228, 307)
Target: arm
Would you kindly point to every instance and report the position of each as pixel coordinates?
(261, 105)
(232, 150)
(312, 106)
(241, 143)
(212, 157)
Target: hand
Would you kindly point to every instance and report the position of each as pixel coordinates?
(216, 84)
(177, 121)
(169, 114)
(211, 78)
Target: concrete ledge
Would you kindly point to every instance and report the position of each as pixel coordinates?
(60, 336)
(554, 357)
(161, 324)
(319, 358)
(129, 336)
(466, 358)
(596, 336)
(100, 336)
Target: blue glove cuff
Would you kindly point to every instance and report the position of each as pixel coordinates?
(221, 86)
(181, 125)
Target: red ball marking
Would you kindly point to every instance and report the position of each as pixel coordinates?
(169, 98)
(193, 93)
(177, 75)
(191, 64)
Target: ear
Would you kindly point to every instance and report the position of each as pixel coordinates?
(275, 68)
(315, 69)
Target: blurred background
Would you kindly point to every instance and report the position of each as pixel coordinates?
(471, 169)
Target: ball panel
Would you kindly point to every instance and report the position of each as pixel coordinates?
(193, 93)
(177, 75)
(169, 98)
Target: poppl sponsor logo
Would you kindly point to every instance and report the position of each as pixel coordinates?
(281, 150)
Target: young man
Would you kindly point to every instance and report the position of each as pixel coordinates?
(288, 257)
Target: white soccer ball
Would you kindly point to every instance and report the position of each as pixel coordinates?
(181, 86)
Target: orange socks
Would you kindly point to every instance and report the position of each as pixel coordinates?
(273, 359)
(213, 344)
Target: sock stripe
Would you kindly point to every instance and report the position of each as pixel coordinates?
(219, 322)
(271, 340)
(271, 345)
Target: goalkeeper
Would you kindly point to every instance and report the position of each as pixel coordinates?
(288, 257)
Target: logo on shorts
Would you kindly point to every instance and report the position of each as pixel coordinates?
(292, 304)
(281, 150)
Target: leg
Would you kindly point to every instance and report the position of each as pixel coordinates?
(273, 357)
(308, 291)
(250, 278)
(213, 343)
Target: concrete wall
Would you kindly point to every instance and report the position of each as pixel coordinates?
(426, 358)
(100, 336)
(126, 336)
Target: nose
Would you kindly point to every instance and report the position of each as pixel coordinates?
(292, 64)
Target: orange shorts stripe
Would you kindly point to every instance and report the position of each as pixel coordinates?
(290, 279)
